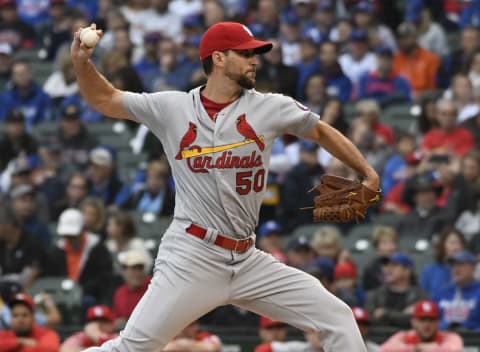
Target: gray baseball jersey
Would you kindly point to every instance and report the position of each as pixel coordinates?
(221, 167)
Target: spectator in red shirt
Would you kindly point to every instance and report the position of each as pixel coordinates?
(99, 327)
(425, 335)
(448, 138)
(191, 339)
(24, 335)
(127, 296)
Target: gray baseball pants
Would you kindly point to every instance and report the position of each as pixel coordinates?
(194, 276)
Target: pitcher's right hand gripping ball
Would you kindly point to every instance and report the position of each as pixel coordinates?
(342, 199)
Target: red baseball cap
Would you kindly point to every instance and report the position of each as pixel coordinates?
(268, 323)
(426, 309)
(361, 315)
(230, 35)
(22, 298)
(99, 313)
(345, 270)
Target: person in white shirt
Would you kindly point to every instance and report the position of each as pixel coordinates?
(159, 18)
(359, 60)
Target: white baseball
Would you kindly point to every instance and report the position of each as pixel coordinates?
(89, 37)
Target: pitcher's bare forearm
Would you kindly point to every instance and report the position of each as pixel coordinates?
(95, 88)
(99, 92)
(343, 149)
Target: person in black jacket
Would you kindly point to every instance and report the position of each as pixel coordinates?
(80, 256)
(274, 74)
(300, 179)
(16, 139)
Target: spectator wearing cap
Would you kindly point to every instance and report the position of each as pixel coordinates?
(385, 242)
(426, 218)
(417, 65)
(62, 81)
(161, 19)
(189, 60)
(382, 84)
(358, 60)
(425, 335)
(87, 113)
(308, 63)
(80, 256)
(274, 74)
(365, 17)
(299, 252)
(106, 183)
(24, 334)
(336, 82)
(14, 30)
(448, 138)
(191, 338)
(136, 264)
(459, 302)
(270, 331)
(156, 196)
(98, 328)
(23, 258)
(149, 60)
(322, 269)
(431, 35)
(22, 198)
(54, 30)
(6, 52)
(305, 11)
(27, 96)
(270, 239)
(74, 138)
(392, 304)
(289, 38)
(303, 176)
(324, 19)
(16, 139)
(346, 285)
(363, 322)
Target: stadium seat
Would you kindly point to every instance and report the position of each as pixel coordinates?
(65, 293)
(399, 117)
(45, 129)
(150, 226)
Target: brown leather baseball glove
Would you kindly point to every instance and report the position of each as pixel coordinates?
(342, 199)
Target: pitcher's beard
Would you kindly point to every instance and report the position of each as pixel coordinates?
(246, 82)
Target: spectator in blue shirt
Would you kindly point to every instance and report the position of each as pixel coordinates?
(337, 83)
(437, 276)
(459, 302)
(308, 63)
(26, 96)
(149, 60)
(382, 84)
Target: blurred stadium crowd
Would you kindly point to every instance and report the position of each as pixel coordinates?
(85, 199)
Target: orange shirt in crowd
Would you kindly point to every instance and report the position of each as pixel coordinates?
(74, 259)
(419, 69)
(47, 341)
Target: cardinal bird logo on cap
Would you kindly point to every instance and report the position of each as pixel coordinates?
(247, 131)
(187, 139)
